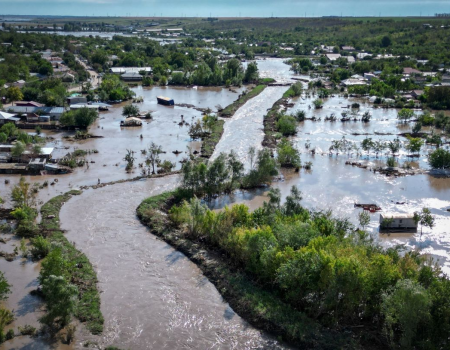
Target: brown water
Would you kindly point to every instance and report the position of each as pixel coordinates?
(152, 296)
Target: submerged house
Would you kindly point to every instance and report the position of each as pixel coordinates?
(397, 222)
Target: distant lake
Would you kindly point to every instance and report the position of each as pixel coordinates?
(227, 8)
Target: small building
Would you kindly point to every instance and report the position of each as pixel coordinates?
(397, 222)
(76, 99)
(350, 59)
(416, 93)
(8, 118)
(409, 71)
(419, 80)
(32, 118)
(29, 104)
(37, 163)
(353, 82)
(46, 153)
(54, 112)
(348, 48)
(131, 77)
(333, 56)
(369, 76)
(68, 77)
(19, 83)
(123, 70)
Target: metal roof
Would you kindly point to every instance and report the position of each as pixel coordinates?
(46, 110)
(397, 215)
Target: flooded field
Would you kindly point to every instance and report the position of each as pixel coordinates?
(333, 185)
(108, 164)
(152, 296)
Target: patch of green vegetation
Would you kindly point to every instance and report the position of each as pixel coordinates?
(261, 307)
(82, 273)
(211, 140)
(232, 108)
(266, 81)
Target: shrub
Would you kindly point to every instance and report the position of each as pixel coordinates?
(439, 159)
(287, 125)
(40, 247)
(288, 155)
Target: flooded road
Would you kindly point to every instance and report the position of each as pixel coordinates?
(152, 296)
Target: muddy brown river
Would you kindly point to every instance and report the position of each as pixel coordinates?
(152, 296)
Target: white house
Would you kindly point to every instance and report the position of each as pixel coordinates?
(397, 222)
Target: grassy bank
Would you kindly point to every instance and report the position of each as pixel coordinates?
(84, 276)
(229, 111)
(209, 142)
(261, 307)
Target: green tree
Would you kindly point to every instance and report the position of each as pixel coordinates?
(130, 111)
(129, 158)
(425, 218)
(439, 159)
(414, 144)
(60, 300)
(84, 117)
(405, 114)
(18, 149)
(5, 287)
(404, 308)
(14, 94)
(386, 41)
(417, 127)
(394, 146)
(364, 219)
(251, 73)
(67, 119)
(153, 155)
(287, 125)
(288, 155)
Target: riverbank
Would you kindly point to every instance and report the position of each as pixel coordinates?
(229, 111)
(83, 276)
(261, 307)
(210, 141)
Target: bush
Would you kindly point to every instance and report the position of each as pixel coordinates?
(288, 155)
(439, 159)
(287, 125)
(40, 247)
(390, 162)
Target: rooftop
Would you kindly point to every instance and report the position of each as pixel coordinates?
(396, 215)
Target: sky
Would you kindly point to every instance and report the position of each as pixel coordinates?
(225, 8)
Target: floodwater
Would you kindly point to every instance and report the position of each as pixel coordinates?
(331, 184)
(108, 164)
(245, 128)
(152, 296)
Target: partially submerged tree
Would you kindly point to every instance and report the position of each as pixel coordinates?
(129, 158)
(405, 114)
(130, 111)
(425, 218)
(153, 155)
